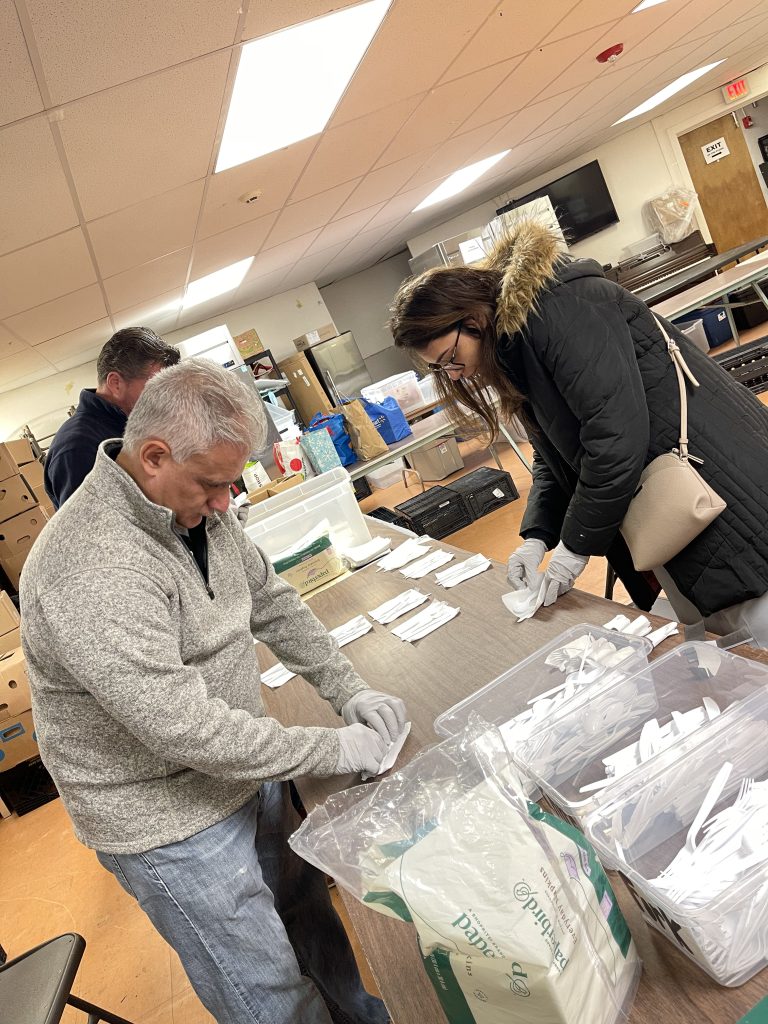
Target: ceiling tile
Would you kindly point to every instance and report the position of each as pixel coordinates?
(89, 45)
(230, 246)
(586, 13)
(19, 95)
(23, 368)
(343, 230)
(140, 284)
(505, 34)
(268, 16)
(8, 344)
(274, 174)
(263, 287)
(59, 316)
(381, 184)
(284, 255)
(77, 347)
(458, 152)
(297, 218)
(308, 268)
(143, 232)
(150, 136)
(159, 313)
(34, 200)
(351, 149)
(443, 110)
(43, 271)
(419, 40)
(683, 24)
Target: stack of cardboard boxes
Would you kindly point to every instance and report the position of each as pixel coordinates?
(17, 732)
(24, 506)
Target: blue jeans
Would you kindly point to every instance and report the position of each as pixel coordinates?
(252, 922)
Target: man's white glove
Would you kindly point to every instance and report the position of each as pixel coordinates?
(563, 570)
(523, 564)
(361, 750)
(381, 712)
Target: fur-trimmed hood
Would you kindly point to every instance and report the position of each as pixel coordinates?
(527, 258)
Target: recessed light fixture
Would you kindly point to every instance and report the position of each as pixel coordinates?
(289, 83)
(646, 4)
(664, 94)
(217, 283)
(460, 180)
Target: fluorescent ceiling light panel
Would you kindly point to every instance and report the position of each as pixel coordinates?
(217, 283)
(288, 84)
(460, 180)
(645, 4)
(679, 83)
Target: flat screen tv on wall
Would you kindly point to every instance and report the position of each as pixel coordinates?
(581, 199)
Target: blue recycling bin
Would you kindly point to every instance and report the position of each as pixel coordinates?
(716, 326)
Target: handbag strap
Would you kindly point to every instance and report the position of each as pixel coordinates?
(681, 367)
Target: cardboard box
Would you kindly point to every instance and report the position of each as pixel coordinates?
(305, 389)
(20, 452)
(10, 641)
(14, 685)
(274, 487)
(9, 617)
(248, 343)
(17, 535)
(33, 477)
(7, 466)
(12, 568)
(18, 741)
(15, 497)
(324, 333)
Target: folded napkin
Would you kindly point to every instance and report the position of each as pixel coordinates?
(426, 621)
(404, 553)
(463, 571)
(351, 630)
(427, 564)
(397, 606)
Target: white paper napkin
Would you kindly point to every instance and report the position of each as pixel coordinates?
(397, 606)
(426, 621)
(463, 571)
(525, 603)
(276, 676)
(427, 564)
(404, 553)
(351, 630)
(393, 751)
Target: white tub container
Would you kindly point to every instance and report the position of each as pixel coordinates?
(646, 823)
(427, 388)
(277, 523)
(388, 475)
(403, 387)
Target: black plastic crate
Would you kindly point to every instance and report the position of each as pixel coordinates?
(27, 786)
(748, 365)
(362, 488)
(485, 489)
(386, 515)
(438, 512)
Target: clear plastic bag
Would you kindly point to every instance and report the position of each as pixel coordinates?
(516, 920)
(672, 212)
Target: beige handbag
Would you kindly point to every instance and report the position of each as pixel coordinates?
(673, 503)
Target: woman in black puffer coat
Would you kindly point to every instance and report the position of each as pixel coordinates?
(584, 363)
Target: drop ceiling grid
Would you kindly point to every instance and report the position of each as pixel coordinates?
(59, 316)
(19, 94)
(267, 16)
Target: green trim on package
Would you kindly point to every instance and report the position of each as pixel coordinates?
(315, 548)
(452, 999)
(598, 878)
(392, 902)
(757, 1015)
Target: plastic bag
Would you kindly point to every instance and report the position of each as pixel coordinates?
(672, 212)
(516, 920)
(338, 431)
(388, 418)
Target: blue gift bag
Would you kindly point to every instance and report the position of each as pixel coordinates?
(320, 449)
(336, 428)
(388, 418)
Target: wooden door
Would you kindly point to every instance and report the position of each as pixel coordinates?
(729, 192)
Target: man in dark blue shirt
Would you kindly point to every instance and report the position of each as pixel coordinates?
(125, 364)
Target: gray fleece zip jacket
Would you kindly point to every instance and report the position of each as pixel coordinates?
(145, 689)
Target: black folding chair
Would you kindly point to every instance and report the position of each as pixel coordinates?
(36, 986)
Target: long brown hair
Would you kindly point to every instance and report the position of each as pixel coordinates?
(435, 303)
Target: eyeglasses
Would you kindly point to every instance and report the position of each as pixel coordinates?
(449, 364)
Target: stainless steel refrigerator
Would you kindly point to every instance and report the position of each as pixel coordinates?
(339, 366)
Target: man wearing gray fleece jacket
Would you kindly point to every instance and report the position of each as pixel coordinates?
(139, 603)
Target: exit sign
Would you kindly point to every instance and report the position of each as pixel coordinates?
(735, 90)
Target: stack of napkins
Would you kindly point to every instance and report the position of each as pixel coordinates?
(351, 630)
(276, 676)
(427, 564)
(418, 626)
(397, 606)
(463, 571)
(406, 552)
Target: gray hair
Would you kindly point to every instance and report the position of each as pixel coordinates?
(194, 406)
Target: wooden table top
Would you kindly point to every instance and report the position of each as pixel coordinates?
(431, 676)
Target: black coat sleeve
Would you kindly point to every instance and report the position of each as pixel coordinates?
(546, 506)
(65, 470)
(588, 349)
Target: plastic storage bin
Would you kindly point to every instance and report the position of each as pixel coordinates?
(427, 388)
(694, 331)
(716, 325)
(284, 419)
(403, 387)
(485, 489)
(279, 522)
(438, 512)
(728, 934)
(437, 460)
(567, 753)
(508, 696)
(387, 475)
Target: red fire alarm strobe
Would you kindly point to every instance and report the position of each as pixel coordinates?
(609, 56)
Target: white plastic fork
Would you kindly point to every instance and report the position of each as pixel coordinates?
(713, 795)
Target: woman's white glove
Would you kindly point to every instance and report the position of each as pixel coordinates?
(523, 564)
(361, 750)
(562, 572)
(381, 712)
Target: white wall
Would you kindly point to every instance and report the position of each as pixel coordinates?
(759, 115)
(43, 405)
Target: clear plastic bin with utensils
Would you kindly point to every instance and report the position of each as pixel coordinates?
(691, 839)
(579, 756)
